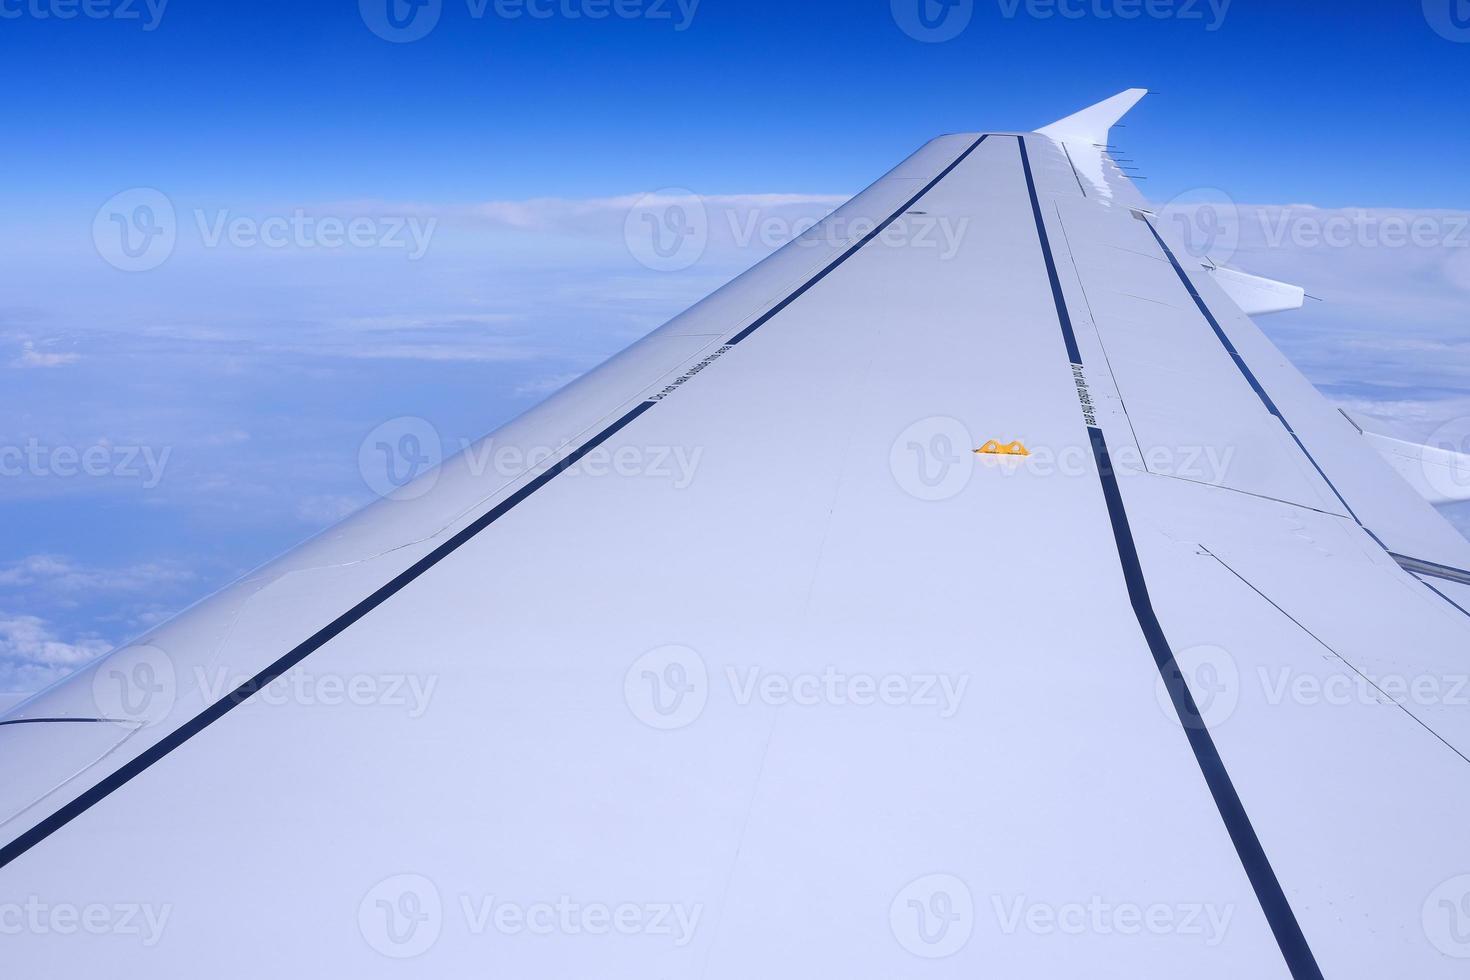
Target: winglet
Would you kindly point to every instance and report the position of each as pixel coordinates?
(1257, 295)
(1091, 125)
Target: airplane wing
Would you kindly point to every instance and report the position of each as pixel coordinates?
(1009, 609)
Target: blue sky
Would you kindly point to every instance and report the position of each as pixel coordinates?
(300, 98)
(242, 378)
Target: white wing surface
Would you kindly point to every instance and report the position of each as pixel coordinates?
(762, 670)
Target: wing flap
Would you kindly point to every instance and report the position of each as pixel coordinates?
(1193, 414)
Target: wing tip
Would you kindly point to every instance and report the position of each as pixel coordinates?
(1091, 125)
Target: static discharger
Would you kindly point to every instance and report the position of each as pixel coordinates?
(997, 448)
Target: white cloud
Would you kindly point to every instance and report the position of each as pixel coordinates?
(32, 357)
(33, 656)
(328, 509)
(442, 352)
(541, 387)
(57, 574)
(594, 214)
